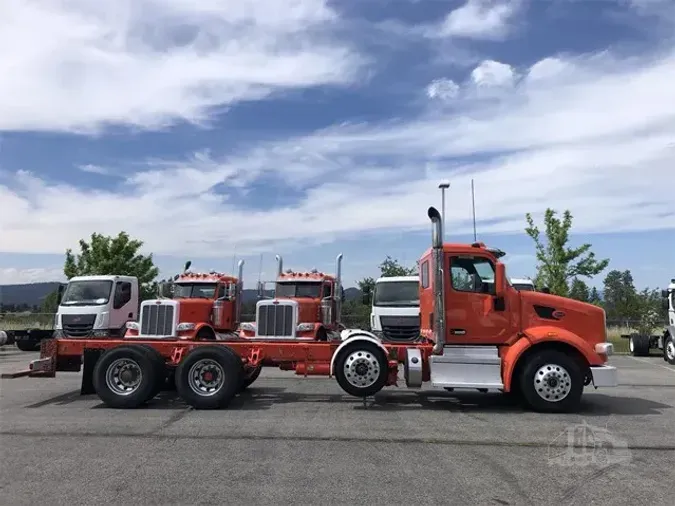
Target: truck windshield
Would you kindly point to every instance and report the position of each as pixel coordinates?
(195, 290)
(299, 289)
(87, 293)
(397, 293)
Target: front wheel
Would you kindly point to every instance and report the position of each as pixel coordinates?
(361, 369)
(249, 377)
(669, 350)
(552, 381)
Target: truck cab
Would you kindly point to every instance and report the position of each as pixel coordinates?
(668, 338)
(395, 308)
(523, 284)
(306, 306)
(96, 306)
(193, 306)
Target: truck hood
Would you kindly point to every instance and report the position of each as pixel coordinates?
(194, 310)
(546, 310)
(308, 309)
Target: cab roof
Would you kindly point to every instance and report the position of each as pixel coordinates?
(468, 249)
(397, 279)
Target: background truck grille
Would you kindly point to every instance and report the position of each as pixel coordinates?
(77, 325)
(400, 328)
(157, 320)
(275, 320)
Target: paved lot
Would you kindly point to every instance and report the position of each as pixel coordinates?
(300, 441)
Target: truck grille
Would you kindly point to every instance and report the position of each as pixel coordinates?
(275, 320)
(400, 328)
(157, 320)
(78, 325)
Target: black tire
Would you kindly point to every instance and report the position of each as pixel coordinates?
(559, 366)
(249, 378)
(160, 369)
(222, 362)
(376, 368)
(28, 345)
(669, 349)
(638, 345)
(147, 385)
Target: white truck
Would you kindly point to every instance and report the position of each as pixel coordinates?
(641, 344)
(522, 284)
(395, 309)
(96, 306)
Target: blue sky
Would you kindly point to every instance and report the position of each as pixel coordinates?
(218, 129)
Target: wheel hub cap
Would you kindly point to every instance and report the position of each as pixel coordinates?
(361, 369)
(124, 376)
(206, 377)
(552, 382)
(670, 350)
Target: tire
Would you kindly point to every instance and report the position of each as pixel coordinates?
(216, 360)
(27, 345)
(638, 345)
(106, 376)
(564, 391)
(160, 369)
(669, 350)
(249, 379)
(367, 380)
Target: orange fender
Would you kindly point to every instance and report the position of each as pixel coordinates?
(537, 335)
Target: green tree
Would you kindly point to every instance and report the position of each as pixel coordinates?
(580, 291)
(620, 299)
(113, 255)
(50, 304)
(390, 268)
(594, 297)
(557, 263)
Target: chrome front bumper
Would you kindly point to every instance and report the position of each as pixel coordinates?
(604, 376)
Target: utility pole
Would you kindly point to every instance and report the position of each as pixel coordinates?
(443, 186)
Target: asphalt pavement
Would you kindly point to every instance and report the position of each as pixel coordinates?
(294, 440)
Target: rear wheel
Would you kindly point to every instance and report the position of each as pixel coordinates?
(125, 377)
(361, 369)
(209, 377)
(551, 381)
(638, 345)
(249, 377)
(669, 350)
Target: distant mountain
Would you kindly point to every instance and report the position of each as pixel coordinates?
(32, 295)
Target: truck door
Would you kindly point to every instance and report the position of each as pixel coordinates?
(471, 313)
(123, 308)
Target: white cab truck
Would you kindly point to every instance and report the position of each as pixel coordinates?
(96, 306)
(521, 284)
(395, 310)
(640, 344)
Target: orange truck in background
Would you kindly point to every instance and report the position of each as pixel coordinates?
(307, 306)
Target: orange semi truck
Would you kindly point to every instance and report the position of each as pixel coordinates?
(542, 348)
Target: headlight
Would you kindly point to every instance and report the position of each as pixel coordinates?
(182, 327)
(133, 326)
(305, 327)
(248, 326)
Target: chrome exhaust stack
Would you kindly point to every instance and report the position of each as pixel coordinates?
(439, 291)
(280, 265)
(240, 291)
(338, 288)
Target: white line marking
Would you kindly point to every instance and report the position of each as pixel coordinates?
(652, 363)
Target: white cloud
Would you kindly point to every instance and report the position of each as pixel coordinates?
(480, 19)
(13, 276)
(151, 63)
(492, 73)
(442, 89)
(596, 136)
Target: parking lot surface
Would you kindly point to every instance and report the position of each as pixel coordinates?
(293, 440)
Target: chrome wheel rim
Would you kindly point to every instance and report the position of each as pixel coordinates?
(670, 350)
(124, 376)
(631, 346)
(361, 369)
(206, 377)
(552, 382)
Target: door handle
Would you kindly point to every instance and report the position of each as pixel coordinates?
(458, 332)
(130, 315)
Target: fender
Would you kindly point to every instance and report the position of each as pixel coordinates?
(537, 335)
(198, 327)
(349, 336)
(671, 329)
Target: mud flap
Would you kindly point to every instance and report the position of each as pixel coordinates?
(89, 359)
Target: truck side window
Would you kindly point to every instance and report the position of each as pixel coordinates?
(221, 291)
(122, 294)
(326, 290)
(424, 274)
(472, 274)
